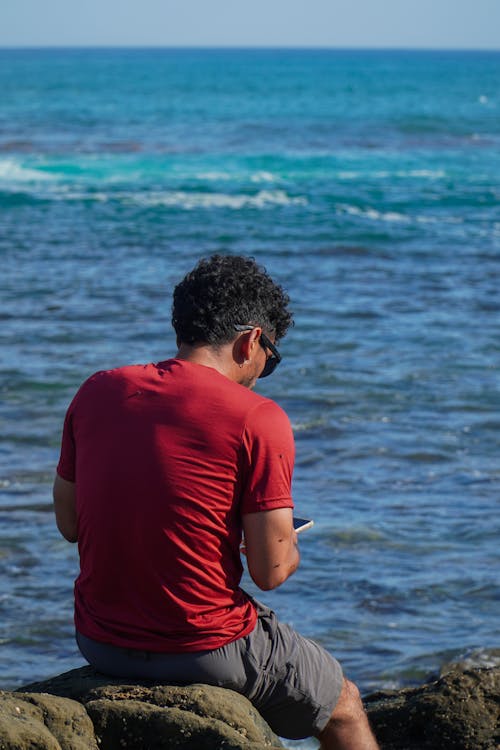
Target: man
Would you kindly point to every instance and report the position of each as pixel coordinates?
(162, 468)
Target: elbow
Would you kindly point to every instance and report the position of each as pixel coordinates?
(65, 508)
(265, 585)
(70, 536)
(70, 533)
(269, 577)
(271, 580)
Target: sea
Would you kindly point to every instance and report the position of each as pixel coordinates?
(368, 184)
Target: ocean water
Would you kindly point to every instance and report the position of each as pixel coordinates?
(368, 183)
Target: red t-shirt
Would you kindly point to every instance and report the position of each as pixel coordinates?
(166, 459)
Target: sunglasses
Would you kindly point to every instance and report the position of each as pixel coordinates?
(271, 362)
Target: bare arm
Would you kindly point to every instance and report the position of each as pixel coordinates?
(271, 547)
(65, 508)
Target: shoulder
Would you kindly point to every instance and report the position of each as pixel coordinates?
(266, 423)
(264, 411)
(104, 382)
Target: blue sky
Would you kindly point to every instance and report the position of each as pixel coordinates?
(469, 24)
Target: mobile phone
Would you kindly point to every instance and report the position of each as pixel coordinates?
(301, 524)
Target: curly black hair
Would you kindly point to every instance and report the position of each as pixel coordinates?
(223, 291)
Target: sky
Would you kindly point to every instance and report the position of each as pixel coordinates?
(442, 24)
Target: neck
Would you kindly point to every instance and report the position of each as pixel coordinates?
(218, 358)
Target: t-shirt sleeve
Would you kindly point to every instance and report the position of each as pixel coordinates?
(268, 457)
(66, 468)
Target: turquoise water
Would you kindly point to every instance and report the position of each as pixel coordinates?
(368, 183)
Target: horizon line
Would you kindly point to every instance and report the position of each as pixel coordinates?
(235, 47)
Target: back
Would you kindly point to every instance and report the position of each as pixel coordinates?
(166, 458)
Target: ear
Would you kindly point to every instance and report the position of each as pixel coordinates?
(244, 346)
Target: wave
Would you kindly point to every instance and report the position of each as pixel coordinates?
(395, 216)
(474, 658)
(120, 168)
(373, 214)
(214, 176)
(385, 174)
(264, 177)
(12, 171)
(94, 182)
(187, 200)
(116, 167)
(220, 176)
(20, 184)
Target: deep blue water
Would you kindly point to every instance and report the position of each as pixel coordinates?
(368, 183)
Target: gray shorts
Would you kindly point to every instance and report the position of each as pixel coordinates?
(292, 681)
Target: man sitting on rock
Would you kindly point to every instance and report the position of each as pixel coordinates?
(162, 468)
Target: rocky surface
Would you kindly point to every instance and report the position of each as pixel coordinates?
(30, 721)
(460, 711)
(83, 710)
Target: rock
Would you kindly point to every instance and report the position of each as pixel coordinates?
(143, 716)
(83, 710)
(75, 684)
(192, 716)
(460, 711)
(44, 722)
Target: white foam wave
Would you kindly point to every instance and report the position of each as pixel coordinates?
(174, 199)
(393, 216)
(12, 171)
(67, 194)
(214, 176)
(308, 425)
(348, 175)
(373, 214)
(256, 177)
(433, 174)
(439, 219)
(193, 200)
(263, 177)
(430, 174)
